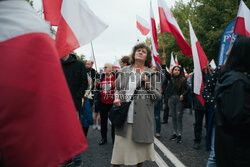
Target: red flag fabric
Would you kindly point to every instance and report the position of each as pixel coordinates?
(52, 11)
(169, 24)
(154, 39)
(77, 24)
(242, 25)
(142, 25)
(200, 62)
(38, 121)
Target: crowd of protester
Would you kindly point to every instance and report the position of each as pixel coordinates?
(222, 110)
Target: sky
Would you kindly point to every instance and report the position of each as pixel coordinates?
(121, 35)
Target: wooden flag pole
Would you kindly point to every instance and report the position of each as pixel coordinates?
(231, 41)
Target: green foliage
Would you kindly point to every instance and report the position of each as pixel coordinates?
(209, 19)
(80, 57)
(31, 2)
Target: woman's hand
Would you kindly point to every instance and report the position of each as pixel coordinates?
(146, 80)
(181, 97)
(117, 102)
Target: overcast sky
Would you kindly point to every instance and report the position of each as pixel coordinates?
(121, 35)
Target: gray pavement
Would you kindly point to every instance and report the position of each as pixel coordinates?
(100, 156)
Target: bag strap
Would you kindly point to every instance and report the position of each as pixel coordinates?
(135, 92)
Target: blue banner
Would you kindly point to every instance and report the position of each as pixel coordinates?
(225, 41)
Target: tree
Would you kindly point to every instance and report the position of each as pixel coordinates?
(31, 2)
(209, 19)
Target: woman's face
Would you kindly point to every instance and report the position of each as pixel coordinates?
(176, 71)
(141, 54)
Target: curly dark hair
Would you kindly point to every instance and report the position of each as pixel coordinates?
(142, 46)
(126, 59)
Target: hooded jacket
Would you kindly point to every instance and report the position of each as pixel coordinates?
(76, 75)
(232, 139)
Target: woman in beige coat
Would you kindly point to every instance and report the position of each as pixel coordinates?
(134, 143)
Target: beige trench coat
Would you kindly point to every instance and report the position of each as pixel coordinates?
(143, 120)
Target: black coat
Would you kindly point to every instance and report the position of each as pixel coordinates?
(232, 137)
(76, 75)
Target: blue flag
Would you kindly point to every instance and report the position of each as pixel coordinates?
(225, 41)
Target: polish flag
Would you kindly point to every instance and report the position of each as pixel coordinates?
(212, 64)
(142, 25)
(169, 24)
(176, 60)
(200, 62)
(117, 64)
(39, 125)
(153, 60)
(185, 73)
(167, 69)
(153, 33)
(242, 25)
(77, 24)
(172, 62)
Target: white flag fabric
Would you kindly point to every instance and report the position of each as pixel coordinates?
(212, 64)
(77, 26)
(142, 25)
(169, 24)
(153, 34)
(242, 25)
(116, 63)
(200, 62)
(172, 62)
(39, 126)
(176, 60)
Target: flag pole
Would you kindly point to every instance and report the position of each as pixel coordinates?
(94, 56)
(231, 41)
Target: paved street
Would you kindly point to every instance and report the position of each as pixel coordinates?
(170, 153)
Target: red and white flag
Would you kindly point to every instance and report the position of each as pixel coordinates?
(176, 61)
(77, 24)
(212, 64)
(39, 125)
(142, 25)
(172, 62)
(185, 73)
(169, 24)
(200, 62)
(117, 64)
(167, 69)
(242, 25)
(153, 34)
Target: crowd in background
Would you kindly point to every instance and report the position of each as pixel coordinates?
(176, 94)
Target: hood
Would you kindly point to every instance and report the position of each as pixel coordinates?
(228, 78)
(72, 58)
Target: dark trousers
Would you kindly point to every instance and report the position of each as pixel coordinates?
(85, 129)
(104, 110)
(166, 111)
(199, 115)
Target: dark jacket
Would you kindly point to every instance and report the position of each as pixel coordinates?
(171, 90)
(232, 137)
(76, 76)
